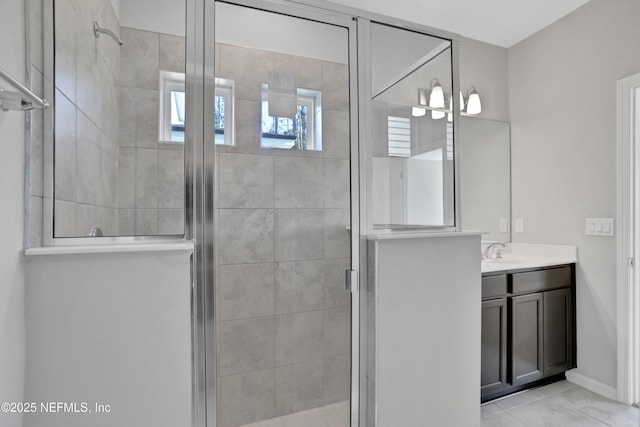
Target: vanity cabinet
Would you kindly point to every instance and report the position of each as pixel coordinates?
(494, 335)
(528, 328)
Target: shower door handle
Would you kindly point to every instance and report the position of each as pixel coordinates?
(351, 280)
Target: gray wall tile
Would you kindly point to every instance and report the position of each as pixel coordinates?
(35, 22)
(299, 234)
(246, 398)
(88, 63)
(335, 293)
(139, 58)
(336, 379)
(247, 131)
(126, 222)
(110, 173)
(110, 222)
(298, 337)
(170, 222)
(245, 291)
(172, 53)
(139, 117)
(337, 183)
(146, 178)
(299, 286)
(337, 238)
(299, 387)
(89, 161)
(145, 222)
(245, 236)
(36, 134)
(248, 67)
(337, 331)
(64, 219)
(245, 345)
(335, 134)
(335, 95)
(65, 45)
(65, 149)
(246, 181)
(88, 216)
(307, 71)
(170, 179)
(298, 182)
(127, 177)
(35, 222)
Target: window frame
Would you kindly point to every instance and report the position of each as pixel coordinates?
(312, 99)
(175, 81)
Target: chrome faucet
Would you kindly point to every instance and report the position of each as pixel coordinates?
(487, 251)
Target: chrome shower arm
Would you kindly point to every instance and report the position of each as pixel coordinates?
(97, 30)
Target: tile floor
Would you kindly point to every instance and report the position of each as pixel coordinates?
(560, 404)
(335, 415)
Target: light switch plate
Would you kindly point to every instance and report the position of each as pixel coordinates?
(599, 227)
(503, 225)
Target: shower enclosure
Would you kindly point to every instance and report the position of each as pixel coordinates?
(275, 135)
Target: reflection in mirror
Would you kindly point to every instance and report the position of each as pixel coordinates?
(412, 139)
(485, 147)
(119, 118)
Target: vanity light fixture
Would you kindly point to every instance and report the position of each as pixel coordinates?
(419, 111)
(473, 105)
(436, 97)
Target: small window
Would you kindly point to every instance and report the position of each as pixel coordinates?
(172, 109)
(302, 132)
(399, 136)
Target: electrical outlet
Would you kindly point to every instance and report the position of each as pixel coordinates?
(519, 225)
(503, 225)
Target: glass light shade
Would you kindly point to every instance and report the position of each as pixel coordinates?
(418, 112)
(474, 106)
(436, 98)
(461, 102)
(435, 114)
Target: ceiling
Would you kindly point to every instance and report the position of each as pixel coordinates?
(499, 22)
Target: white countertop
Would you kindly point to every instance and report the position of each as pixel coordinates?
(527, 255)
(417, 234)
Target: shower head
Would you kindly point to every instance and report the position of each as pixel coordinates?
(97, 30)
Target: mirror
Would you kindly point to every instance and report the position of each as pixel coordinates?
(485, 149)
(119, 118)
(412, 136)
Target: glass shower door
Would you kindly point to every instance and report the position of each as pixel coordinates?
(283, 219)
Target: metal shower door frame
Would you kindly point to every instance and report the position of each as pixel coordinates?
(200, 90)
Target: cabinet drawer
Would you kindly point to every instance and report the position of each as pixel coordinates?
(494, 286)
(542, 280)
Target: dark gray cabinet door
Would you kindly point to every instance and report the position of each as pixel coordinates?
(558, 331)
(494, 346)
(526, 339)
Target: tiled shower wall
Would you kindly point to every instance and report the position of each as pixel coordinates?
(283, 246)
(111, 170)
(87, 73)
(35, 136)
(151, 173)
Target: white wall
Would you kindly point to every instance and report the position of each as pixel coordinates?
(562, 96)
(110, 328)
(12, 153)
(485, 66)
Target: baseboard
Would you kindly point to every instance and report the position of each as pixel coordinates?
(591, 384)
